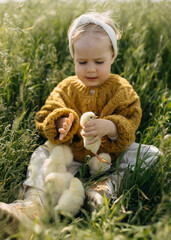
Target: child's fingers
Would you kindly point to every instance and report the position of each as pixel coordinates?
(89, 129)
(71, 117)
(67, 122)
(90, 123)
(90, 134)
(62, 130)
(93, 140)
(65, 125)
(61, 136)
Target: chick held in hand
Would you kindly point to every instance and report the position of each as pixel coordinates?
(93, 147)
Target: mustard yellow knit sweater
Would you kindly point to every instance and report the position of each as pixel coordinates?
(114, 100)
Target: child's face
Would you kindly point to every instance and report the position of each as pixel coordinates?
(93, 58)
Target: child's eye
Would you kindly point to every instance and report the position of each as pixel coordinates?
(99, 62)
(83, 62)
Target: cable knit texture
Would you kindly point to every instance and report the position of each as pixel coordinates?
(114, 100)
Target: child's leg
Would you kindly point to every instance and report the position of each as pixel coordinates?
(29, 208)
(34, 177)
(109, 186)
(95, 194)
(147, 153)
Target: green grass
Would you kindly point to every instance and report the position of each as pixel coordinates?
(34, 57)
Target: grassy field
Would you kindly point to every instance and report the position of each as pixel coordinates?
(34, 57)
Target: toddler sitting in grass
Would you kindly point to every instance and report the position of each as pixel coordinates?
(93, 47)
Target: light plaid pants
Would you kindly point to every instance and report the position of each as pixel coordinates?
(35, 179)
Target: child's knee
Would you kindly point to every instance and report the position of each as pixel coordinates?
(34, 195)
(145, 153)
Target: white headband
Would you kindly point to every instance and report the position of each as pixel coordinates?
(84, 19)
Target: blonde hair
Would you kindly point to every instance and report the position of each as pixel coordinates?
(92, 27)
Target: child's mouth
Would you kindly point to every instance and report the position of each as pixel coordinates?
(91, 78)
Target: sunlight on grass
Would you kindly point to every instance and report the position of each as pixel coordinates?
(34, 57)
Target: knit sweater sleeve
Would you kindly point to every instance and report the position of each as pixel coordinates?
(126, 116)
(57, 105)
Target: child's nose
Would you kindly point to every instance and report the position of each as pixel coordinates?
(91, 68)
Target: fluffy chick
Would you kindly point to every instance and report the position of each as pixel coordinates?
(50, 146)
(94, 147)
(61, 155)
(68, 156)
(98, 166)
(72, 199)
(56, 184)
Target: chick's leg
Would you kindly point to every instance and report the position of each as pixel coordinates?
(101, 159)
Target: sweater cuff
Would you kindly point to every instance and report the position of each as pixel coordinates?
(114, 138)
(50, 130)
(126, 132)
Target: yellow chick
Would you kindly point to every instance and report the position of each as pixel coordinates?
(97, 166)
(94, 147)
(72, 199)
(60, 157)
(56, 183)
(50, 146)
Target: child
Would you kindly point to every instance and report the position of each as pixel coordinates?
(93, 46)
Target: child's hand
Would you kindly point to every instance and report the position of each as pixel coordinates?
(98, 128)
(63, 125)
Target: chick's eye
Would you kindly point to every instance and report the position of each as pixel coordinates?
(91, 117)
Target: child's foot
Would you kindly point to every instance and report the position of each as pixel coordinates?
(95, 194)
(18, 213)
